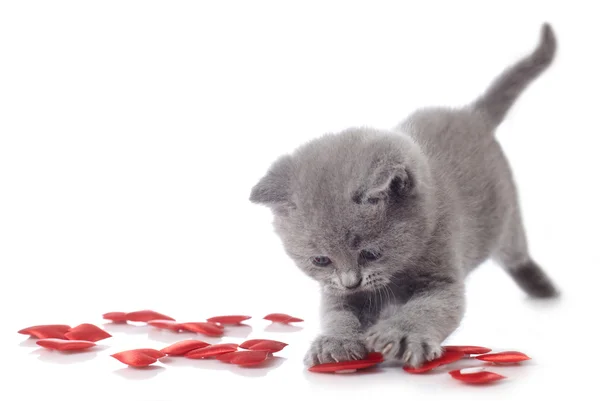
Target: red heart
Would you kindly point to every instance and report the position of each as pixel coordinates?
(504, 357)
(282, 318)
(467, 349)
(372, 359)
(47, 331)
(183, 347)
(268, 345)
(229, 319)
(165, 324)
(247, 358)
(207, 328)
(211, 350)
(135, 357)
(65, 345)
(446, 358)
(477, 377)
(87, 332)
(145, 316)
(154, 353)
(116, 317)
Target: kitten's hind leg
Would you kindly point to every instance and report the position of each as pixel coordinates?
(513, 256)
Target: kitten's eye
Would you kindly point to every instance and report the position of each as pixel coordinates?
(320, 261)
(369, 255)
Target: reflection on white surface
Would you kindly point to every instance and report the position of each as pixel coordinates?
(144, 373)
(67, 357)
(282, 328)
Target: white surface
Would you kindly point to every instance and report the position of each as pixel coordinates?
(132, 132)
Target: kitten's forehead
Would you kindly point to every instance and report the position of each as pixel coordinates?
(328, 173)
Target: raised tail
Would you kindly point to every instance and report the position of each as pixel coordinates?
(504, 90)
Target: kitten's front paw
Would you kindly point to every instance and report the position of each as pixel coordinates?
(326, 349)
(411, 348)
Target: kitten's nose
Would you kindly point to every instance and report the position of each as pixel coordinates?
(353, 285)
(350, 279)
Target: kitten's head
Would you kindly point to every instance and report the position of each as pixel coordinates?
(351, 208)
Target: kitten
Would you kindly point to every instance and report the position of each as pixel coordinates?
(391, 222)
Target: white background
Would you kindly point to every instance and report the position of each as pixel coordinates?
(131, 133)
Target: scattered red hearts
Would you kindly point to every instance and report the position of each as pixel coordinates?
(212, 350)
(207, 328)
(65, 345)
(267, 345)
(145, 316)
(138, 357)
(165, 324)
(229, 319)
(244, 358)
(446, 358)
(183, 347)
(87, 332)
(116, 317)
(282, 318)
(504, 357)
(47, 331)
(372, 359)
(481, 377)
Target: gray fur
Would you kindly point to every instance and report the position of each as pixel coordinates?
(434, 198)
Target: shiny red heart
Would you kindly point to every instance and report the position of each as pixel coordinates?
(183, 347)
(244, 358)
(372, 359)
(47, 331)
(477, 377)
(446, 358)
(282, 318)
(504, 357)
(207, 328)
(166, 324)
(268, 345)
(87, 332)
(229, 319)
(212, 350)
(138, 357)
(116, 317)
(145, 316)
(65, 345)
(468, 349)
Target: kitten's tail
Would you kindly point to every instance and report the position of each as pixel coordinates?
(504, 90)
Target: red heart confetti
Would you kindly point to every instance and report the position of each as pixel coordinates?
(268, 345)
(165, 324)
(183, 347)
(87, 332)
(372, 359)
(135, 358)
(47, 331)
(207, 328)
(480, 377)
(154, 353)
(229, 319)
(116, 317)
(467, 349)
(227, 357)
(247, 358)
(446, 358)
(145, 316)
(65, 345)
(212, 350)
(282, 318)
(504, 357)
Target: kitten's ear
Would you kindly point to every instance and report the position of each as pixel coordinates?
(274, 188)
(390, 184)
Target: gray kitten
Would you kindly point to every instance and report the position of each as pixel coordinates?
(391, 222)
